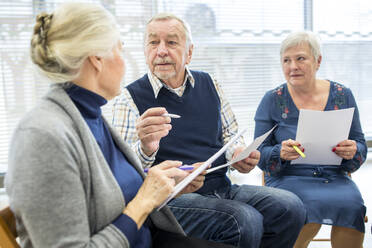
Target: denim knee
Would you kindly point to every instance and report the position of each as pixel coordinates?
(221, 220)
(250, 223)
(292, 209)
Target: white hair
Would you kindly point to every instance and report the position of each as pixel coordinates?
(302, 37)
(169, 16)
(62, 40)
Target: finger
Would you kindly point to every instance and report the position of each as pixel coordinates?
(289, 153)
(243, 166)
(237, 151)
(290, 143)
(168, 164)
(156, 111)
(153, 136)
(175, 173)
(154, 128)
(199, 178)
(197, 165)
(254, 154)
(249, 161)
(345, 153)
(153, 120)
(290, 156)
(293, 157)
(346, 143)
(344, 149)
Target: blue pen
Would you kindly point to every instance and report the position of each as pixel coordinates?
(182, 167)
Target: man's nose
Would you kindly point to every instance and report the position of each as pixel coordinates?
(162, 49)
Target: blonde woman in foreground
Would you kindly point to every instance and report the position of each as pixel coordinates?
(71, 181)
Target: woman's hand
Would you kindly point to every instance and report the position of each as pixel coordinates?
(195, 184)
(288, 152)
(346, 149)
(157, 186)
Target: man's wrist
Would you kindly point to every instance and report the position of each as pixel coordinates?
(145, 151)
(145, 160)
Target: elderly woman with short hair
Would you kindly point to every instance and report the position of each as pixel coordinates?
(71, 180)
(329, 195)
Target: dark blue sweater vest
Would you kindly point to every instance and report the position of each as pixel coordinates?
(197, 135)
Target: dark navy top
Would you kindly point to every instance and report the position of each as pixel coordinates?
(89, 105)
(197, 135)
(329, 195)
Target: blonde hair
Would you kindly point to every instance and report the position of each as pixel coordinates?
(61, 41)
(169, 16)
(302, 37)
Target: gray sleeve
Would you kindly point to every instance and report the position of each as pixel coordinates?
(48, 196)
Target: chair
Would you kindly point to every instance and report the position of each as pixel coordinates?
(8, 232)
(315, 239)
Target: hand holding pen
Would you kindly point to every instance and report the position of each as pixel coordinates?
(291, 150)
(152, 126)
(194, 185)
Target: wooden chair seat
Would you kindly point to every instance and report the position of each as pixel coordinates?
(8, 232)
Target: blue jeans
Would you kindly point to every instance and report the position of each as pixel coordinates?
(243, 216)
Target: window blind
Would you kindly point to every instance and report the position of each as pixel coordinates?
(236, 41)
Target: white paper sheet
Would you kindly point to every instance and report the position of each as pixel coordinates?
(319, 131)
(245, 153)
(181, 185)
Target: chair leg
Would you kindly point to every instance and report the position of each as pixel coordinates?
(343, 237)
(308, 232)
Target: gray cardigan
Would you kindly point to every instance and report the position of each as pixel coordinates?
(60, 186)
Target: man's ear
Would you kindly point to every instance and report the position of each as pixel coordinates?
(189, 54)
(96, 62)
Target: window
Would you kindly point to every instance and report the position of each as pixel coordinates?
(236, 41)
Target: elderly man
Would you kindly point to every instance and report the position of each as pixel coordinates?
(244, 216)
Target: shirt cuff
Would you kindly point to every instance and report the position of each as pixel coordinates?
(127, 226)
(276, 164)
(354, 164)
(147, 161)
(230, 151)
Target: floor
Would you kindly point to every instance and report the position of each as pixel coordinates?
(362, 178)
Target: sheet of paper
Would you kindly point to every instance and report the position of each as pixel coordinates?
(245, 153)
(319, 131)
(181, 185)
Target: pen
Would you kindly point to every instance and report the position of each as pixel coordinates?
(299, 151)
(182, 167)
(171, 115)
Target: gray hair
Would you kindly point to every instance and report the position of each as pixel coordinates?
(62, 41)
(302, 37)
(169, 16)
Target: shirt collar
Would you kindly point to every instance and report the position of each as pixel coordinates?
(157, 84)
(88, 102)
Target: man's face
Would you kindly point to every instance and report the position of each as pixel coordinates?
(166, 51)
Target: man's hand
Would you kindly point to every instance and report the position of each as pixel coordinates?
(151, 127)
(247, 164)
